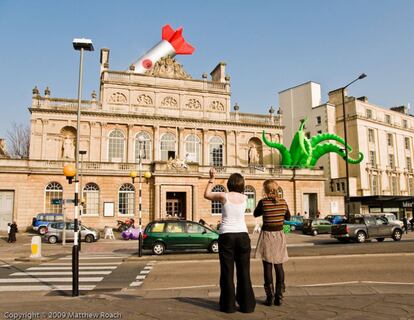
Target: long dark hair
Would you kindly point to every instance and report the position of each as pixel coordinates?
(235, 183)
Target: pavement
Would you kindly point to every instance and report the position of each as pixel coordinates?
(336, 300)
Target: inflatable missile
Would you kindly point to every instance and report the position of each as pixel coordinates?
(172, 43)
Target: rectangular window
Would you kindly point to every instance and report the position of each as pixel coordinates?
(318, 120)
(319, 131)
(408, 163)
(388, 119)
(371, 135)
(389, 139)
(374, 185)
(405, 123)
(369, 113)
(407, 143)
(372, 159)
(391, 161)
(343, 186)
(411, 186)
(394, 186)
(338, 187)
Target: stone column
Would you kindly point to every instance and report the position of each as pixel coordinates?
(227, 148)
(130, 144)
(104, 142)
(180, 137)
(205, 146)
(157, 202)
(44, 138)
(236, 148)
(195, 208)
(155, 143)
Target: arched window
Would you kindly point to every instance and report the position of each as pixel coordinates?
(53, 198)
(251, 199)
(146, 147)
(216, 205)
(126, 199)
(91, 197)
(116, 146)
(167, 146)
(192, 148)
(216, 152)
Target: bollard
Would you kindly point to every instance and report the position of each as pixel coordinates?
(36, 247)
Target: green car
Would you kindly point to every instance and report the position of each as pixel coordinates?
(163, 235)
(316, 226)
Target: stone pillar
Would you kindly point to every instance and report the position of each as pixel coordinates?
(104, 142)
(227, 148)
(236, 148)
(157, 202)
(130, 144)
(205, 146)
(155, 143)
(195, 208)
(180, 137)
(44, 138)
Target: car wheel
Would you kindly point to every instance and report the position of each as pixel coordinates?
(380, 239)
(158, 248)
(42, 230)
(52, 239)
(214, 248)
(396, 235)
(292, 228)
(89, 238)
(361, 236)
(314, 232)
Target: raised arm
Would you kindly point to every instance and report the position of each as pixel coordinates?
(213, 196)
(259, 209)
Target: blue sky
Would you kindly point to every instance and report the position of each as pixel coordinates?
(268, 46)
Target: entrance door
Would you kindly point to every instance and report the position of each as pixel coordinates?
(175, 204)
(6, 208)
(173, 207)
(310, 204)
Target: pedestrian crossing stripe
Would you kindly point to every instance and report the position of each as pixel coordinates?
(45, 288)
(143, 274)
(58, 273)
(57, 264)
(70, 268)
(20, 280)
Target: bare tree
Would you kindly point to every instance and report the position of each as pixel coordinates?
(18, 141)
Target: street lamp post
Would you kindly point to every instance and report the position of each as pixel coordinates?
(82, 153)
(80, 45)
(133, 175)
(362, 76)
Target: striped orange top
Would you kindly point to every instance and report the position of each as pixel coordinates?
(274, 212)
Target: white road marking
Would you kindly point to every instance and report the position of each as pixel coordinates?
(148, 268)
(44, 288)
(145, 271)
(82, 264)
(140, 277)
(5, 266)
(135, 284)
(70, 268)
(20, 280)
(58, 273)
(93, 258)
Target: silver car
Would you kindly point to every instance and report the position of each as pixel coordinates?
(54, 232)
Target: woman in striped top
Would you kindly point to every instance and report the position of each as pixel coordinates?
(272, 242)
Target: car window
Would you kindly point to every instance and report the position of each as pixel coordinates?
(49, 218)
(57, 225)
(175, 227)
(70, 225)
(194, 228)
(157, 227)
(58, 218)
(381, 221)
(40, 217)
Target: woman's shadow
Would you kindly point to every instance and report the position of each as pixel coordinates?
(201, 302)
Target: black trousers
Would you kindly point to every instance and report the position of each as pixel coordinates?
(234, 248)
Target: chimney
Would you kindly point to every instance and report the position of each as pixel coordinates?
(400, 109)
(363, 99)
(219, 73)
(335, 96)
(104, 59)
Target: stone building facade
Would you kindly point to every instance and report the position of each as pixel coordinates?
(177, 125)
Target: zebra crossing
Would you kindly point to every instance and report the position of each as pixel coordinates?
(57, 276)
(143, 274)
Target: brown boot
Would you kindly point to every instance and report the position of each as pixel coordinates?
(270, 293)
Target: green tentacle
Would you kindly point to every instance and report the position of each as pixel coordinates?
(299, 149)
(284, 152)
(321, 150)
(328, 136)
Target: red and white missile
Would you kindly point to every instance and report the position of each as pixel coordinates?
(172, 43)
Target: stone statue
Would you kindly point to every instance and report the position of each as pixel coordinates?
(253, 155)
(68, 148)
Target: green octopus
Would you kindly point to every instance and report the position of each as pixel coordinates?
(305, 152)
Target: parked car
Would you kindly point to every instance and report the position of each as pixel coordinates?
(42, 220)
(316, 226)
(362, 228)
(163, 235)
(295, 223)
(54, 232)
(335, 218)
